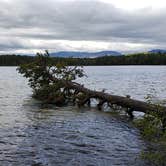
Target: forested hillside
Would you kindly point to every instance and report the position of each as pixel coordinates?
(135, 59)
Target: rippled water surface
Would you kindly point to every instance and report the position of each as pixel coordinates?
(33, 134)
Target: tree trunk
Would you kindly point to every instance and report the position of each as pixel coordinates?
(126, 102)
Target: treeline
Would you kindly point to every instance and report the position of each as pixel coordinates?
(15, 60)
(135, 59)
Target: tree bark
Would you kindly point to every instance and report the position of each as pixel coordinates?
(126, 102)
(132, 104)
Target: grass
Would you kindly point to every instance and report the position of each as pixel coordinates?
(151, 130)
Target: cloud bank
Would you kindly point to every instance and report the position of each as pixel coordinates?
(27, 26)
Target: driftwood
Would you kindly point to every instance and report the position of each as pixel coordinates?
(131, 105)
(125, 102)
(134, 105)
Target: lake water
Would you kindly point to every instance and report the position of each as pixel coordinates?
(32, 134)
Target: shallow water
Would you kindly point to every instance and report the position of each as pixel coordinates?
(31, 133)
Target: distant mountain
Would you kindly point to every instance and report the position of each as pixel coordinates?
(157, 51)
(78, 54)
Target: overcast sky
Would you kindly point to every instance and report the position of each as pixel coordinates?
(27, 26)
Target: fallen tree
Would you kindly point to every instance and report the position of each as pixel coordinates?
(55, 84)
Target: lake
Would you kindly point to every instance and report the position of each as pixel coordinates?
(34, 134)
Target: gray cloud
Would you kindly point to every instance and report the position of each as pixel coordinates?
(22, 22)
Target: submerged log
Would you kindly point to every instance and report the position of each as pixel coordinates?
(125, 102)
